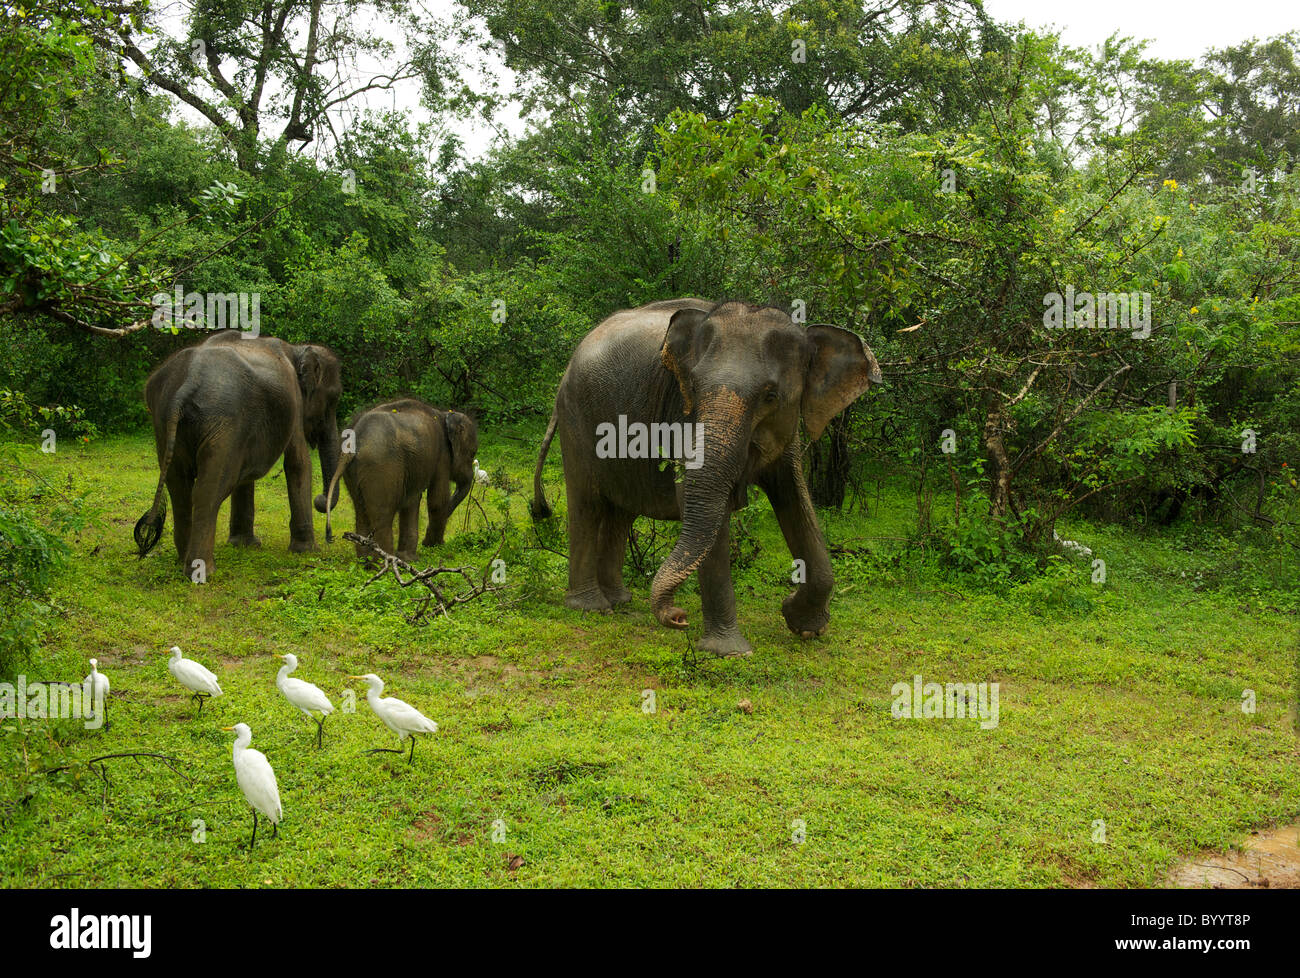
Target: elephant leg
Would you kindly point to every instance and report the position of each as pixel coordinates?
(612, 541)
(587, 513)
(364, 525)
(439, 512)
(381, 527)
(180, 489)
(297, 475)
(408, 531)
(718, 600)
(807, 609)
(241, 517)
(213, 485)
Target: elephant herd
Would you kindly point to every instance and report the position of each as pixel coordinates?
(671, 411)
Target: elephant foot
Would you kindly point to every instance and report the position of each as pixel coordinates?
(725, 643)
(616, 596)
(805, 622)
(432, 542)
(406, 555)
(198, 570)
(245, 540)
(302, 546)
(801, 621)
(588, 599)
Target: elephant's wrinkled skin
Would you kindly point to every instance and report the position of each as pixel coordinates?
(224, 411)
(401, 449)
(746, 375)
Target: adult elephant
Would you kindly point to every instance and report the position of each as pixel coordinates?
(742, 376)
(400, 449)
(223, 412)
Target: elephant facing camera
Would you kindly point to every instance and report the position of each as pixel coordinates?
(744, 377)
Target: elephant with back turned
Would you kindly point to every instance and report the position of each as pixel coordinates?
(224, 411)
(398, 451)
(742, 376)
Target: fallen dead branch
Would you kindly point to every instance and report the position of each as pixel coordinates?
(97, 765)
(439, 600)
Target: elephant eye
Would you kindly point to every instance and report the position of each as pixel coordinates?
(769, 396)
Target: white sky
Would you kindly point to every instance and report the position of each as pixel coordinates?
(1177, 28)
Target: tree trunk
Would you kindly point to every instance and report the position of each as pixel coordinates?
(829, 475)
(999, 464)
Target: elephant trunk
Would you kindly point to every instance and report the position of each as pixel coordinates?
(722, 425)
(328, 447)
(462, 490)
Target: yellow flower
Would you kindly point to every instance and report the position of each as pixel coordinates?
(1180, 252)
(1171, 184)
(1192, 311)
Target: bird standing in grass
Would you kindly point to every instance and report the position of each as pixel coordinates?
(401, 718)
(193, 676)
(95, 686)
(303, 695)
(256, 780)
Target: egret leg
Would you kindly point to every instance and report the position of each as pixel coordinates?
(275, 829)
(412, 757)
(253, 841)
(320, 732)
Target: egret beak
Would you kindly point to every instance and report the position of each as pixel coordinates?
(356, 677)
(227, 728)
(277, 655)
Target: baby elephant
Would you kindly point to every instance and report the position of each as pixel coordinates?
(391, 454)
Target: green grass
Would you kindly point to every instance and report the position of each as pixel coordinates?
(1119, 702)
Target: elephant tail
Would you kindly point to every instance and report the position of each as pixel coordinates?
(539, 508)
(149, 527)
(345, 459)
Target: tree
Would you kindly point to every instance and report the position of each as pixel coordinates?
(894, 60)
(267, 75)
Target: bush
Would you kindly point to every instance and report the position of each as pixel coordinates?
(33, 549)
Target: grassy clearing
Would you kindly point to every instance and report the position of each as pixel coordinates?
(1119, 702)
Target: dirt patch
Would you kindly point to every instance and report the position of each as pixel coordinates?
(489, 663)
(429, 825)
(1270, 859)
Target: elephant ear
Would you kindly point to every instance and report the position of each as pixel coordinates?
(679, 352)
(310, 367)
(462, 440)
(840, 369)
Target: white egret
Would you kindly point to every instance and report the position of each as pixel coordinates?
(303, 695)
(95, 686)
(193, 676)
(480, 475)
(401, 718)
(256, 780)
